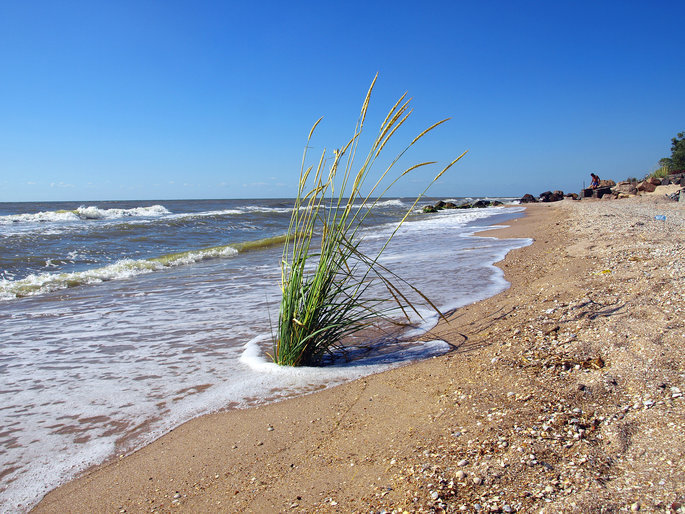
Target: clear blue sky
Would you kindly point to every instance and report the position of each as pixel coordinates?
(214, 99)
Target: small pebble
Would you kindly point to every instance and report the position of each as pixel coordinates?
(461, 475)
(635, 507)
(462, 463)
(477, 480)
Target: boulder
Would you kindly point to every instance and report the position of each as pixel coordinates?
(450, 205)
(480, 204)
(439, 205)
(527, 198)
(496, 203)
(625, 187)
(607, 183)
(601, 191)
(654, 181)
(665, 181)
(549, 196)
(597, 192)
(573, 196)
(429, 209)
(646, 186)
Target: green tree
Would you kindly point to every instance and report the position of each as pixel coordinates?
(678, 152)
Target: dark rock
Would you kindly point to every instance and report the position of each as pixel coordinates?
(548, 196)
(466, 205)
(665, 181)
(450, 205)
(559, 193)
(429, 209)
(597, 192)
(573, 196)
(654, 181)
(528, 198)
(496, 203)
(601, 191)
(480, 204)
(440, 205)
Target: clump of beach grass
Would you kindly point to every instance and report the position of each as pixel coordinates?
(326, 279)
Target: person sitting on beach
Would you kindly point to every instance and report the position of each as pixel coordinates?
(595, 181)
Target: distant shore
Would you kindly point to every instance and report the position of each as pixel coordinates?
(564, 393)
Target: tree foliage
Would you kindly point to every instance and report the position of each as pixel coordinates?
(677, 159)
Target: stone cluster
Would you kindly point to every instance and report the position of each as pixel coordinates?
(610, 190)
(442, 205)
(628, 188)
(547, 196)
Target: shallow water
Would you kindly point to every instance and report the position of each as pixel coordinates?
(121, 320)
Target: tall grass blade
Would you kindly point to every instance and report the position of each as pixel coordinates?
(327, 281)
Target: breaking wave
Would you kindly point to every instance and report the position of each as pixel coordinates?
(84, 213)
(42, 283)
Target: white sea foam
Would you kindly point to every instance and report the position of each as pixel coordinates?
(255, 359)
(391, 203)
(39, 217)
(94, 213)
(84, 213)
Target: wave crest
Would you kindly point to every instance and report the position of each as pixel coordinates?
(91, 212)
(41, 283)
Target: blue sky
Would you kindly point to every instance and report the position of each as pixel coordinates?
(172, 99)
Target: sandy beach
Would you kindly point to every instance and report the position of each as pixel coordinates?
(564, 393)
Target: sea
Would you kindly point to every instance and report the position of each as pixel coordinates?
(121, 320)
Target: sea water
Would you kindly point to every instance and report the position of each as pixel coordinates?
(121, 320)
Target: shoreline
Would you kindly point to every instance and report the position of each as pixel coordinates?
(450, 431)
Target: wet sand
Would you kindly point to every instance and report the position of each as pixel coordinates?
(563, 393)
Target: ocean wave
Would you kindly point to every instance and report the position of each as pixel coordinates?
(391, 203)
(42, 283)
(91, 212)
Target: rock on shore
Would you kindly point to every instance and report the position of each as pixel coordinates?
(442, 205)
